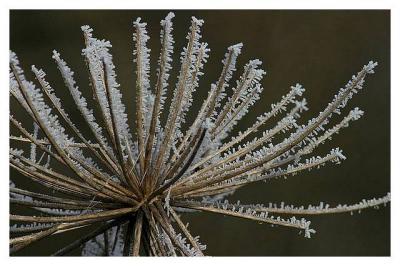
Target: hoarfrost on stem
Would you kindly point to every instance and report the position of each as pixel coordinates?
(131, 183)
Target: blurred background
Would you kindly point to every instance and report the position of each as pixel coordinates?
(319, 49)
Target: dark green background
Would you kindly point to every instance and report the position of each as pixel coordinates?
(319, 49)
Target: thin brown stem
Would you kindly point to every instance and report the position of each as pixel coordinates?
(137, 234)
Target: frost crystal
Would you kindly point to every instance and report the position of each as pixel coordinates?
(129, 184)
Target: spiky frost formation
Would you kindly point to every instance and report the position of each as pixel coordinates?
(132, 181)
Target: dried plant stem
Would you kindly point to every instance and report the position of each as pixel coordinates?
(137, 234)
(65, 250)
(130, 183)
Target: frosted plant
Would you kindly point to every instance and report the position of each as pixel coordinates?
(131, 178)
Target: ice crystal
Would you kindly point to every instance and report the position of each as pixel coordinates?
(129, 183)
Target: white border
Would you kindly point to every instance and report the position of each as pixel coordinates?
(394, 5)
(203, 4)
